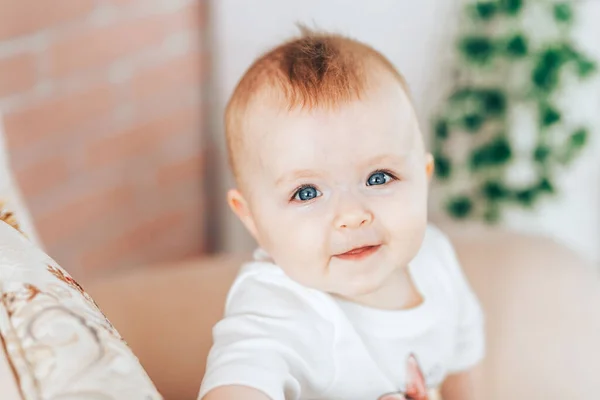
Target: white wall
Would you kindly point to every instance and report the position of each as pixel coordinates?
(415, 36)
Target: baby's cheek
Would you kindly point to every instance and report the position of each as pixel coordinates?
(403, 219)
(307, 230)
(299, 242)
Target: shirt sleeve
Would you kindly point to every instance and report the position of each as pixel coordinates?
(469, 347)
(271, 341)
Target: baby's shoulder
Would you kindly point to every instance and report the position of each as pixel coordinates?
(437, 245)
(437, 259)
(435, 238)
(263, 288)
(267, 334)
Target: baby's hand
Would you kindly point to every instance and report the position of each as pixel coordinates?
(393, 397)
(415, 387)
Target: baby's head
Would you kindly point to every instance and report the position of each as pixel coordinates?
(330, 165)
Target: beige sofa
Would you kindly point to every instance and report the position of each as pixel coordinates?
(542, 304)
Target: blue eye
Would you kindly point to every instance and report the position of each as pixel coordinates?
(379, 178)
(306, 193)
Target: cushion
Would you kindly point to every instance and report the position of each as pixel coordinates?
(57, 343)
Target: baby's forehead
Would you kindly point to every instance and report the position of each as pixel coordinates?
(269, 110)
(316, 131)
(270, 125)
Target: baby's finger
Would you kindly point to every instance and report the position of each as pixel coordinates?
(392, 397)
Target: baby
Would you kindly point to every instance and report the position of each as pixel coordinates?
(351, 295)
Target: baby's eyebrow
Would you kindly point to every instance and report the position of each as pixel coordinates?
(393, 159)
(295, 175)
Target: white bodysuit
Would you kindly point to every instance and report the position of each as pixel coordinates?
(293, 342)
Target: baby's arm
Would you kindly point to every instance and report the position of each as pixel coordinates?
(264, 348)
(235, 392)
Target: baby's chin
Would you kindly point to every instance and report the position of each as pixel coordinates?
(347, 279)
(358, 286)
(348, 286)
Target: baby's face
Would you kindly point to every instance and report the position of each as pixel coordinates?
(338, 198)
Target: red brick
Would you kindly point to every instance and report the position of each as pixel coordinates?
(182, 242)
(141, 139)
(189, 169)
(59, 116)
(135, 240)
(121, 2)
(20, 17)
(42, 176)
(98, 47)
(83, 213)
(183, 71)
(17, 74)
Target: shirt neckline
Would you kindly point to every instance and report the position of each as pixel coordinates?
(398, 323)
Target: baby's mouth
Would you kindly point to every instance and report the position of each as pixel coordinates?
(359, 253)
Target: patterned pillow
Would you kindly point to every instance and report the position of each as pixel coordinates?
(56, 340)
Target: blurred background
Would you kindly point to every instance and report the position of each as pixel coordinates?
(111, 128)
(112, 114)
(103, 105)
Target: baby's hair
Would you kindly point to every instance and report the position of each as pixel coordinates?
(314, 70)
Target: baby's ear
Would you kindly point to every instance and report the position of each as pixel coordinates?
(239, 206)
(429, 165)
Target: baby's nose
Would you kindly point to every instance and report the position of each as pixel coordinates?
(353, 218)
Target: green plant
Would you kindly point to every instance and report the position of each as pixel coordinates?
(503, 67)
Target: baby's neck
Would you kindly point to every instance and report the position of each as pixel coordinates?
(398, 293)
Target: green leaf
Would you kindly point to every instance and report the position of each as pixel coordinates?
(546, 186)
(544, 78)
(441, 129)
(585, 67)
(461, 94)
(567, 52)
(554, 57)
(494, 101)
(497, 152)
(500, 151)
(517, 46)
(478, 49)
(511, 7)
(548, 115)
(546, 70)
(579, 138)
(442, 167)
(494, 190)
(460, 207)
(527, 197)
(492, 213)
(541, 153)
(485, 10)
(563, 12)
(472, 122)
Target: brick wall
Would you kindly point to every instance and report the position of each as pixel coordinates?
(102, 105)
